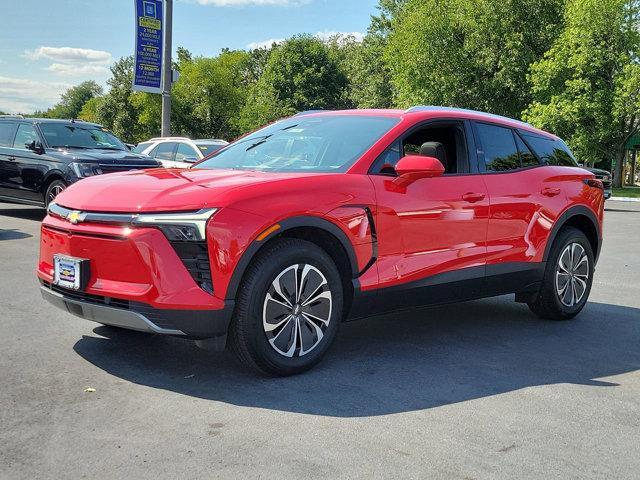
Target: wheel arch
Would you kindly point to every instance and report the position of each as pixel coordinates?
(583, 219)
(319, 231)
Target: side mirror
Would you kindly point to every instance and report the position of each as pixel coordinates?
(190, 159)
(415, 167)
(35, 146)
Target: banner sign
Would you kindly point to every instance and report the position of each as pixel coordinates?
(147, 75)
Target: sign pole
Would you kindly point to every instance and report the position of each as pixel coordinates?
(166, 70)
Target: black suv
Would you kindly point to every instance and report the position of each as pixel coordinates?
(40, 157)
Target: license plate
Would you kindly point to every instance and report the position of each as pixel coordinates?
(67, 271)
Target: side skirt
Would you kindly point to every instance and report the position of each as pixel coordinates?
(522, 278)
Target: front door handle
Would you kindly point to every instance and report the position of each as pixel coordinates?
(11, 158)
(473, 197)
(550, 192)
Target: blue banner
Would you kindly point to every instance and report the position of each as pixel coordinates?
(148, 56)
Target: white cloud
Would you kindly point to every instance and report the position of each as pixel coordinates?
(21, 95)
(265, 43)
(242, 3)
(325, 36)
(67, 70)
(69, 55)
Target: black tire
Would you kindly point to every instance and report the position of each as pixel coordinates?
(550, 304)
(257, 298)
(53, 189)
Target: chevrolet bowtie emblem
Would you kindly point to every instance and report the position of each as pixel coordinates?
(74, 217)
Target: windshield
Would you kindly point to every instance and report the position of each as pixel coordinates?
(141, 147)
(308, 144)
(207, 148)
(71, 135)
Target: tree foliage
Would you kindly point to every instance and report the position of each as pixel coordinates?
(300, 74)
(73, 100)
(470, 53)
(587, 87)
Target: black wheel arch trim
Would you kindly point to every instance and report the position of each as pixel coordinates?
(562, 220)
(289, 224)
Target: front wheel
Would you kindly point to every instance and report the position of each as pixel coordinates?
(53, 190)
(567, 279)
(288, 308)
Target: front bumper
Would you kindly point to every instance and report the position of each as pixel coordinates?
(192, 324)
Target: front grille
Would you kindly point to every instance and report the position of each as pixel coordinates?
(113, 168)
(87, 297)
(195, 257)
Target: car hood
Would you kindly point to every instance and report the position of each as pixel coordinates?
(104, 157)
(164, 190)
(597, 171)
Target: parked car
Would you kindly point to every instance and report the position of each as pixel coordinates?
(179, 152)
(41, 157)
(606, 179)
(270, 244)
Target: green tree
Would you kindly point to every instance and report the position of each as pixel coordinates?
(209, 95)
(89, 111)
(116, 111)
(587, 87)
(299, 75)
(72, 101)
(469, 53)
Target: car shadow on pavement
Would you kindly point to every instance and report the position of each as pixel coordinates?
(36, 214)
(13, 234)
(407, 361)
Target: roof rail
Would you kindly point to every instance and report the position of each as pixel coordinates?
(308, 112)
(11, 116)
(156, 139)
(432, 108)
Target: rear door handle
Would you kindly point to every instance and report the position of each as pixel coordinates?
(473, 197)
(550, 192)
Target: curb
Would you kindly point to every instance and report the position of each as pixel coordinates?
(625, 199)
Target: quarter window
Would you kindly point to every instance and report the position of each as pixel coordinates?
(26, 134)
(7, 130)
(550, 151)
(500, 151)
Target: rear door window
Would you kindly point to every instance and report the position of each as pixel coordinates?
(186, 153)
(550, 151)
(165, 151)
(527, 158)
(499, 146)
(7, 132)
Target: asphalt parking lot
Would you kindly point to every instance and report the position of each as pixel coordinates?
(468, 391)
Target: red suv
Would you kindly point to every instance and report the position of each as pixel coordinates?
(275, 240)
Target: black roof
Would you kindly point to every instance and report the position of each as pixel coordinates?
(49, 120)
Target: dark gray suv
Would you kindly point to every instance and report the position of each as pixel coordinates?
(40, 157)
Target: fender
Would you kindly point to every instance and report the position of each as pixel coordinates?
(288, 224)
(564, 218)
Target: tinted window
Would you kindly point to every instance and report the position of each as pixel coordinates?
(164, 151)
(7, 130)
(209, 148)
(70, 135)
(186, 153)
(527, 158)
(325, 143)
(500, 151)
(141, 147)
(550, 151)
(25, 134)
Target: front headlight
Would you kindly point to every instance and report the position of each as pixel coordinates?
(85, 169)
(180, 227)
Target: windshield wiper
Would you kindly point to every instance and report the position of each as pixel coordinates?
(259, 142)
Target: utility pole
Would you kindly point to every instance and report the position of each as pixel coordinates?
(166, 69)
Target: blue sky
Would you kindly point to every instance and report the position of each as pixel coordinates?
(48, 45)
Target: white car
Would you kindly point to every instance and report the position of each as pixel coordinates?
(178, 152)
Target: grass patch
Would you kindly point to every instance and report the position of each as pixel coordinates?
(633, 192)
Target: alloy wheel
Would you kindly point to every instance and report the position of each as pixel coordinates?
(572, 274)
(297, 310)
(53, 192)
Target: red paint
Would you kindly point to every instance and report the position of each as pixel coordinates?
(424, 226)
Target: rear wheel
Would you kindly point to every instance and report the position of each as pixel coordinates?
(288, 308)
(53, 190)
(567, 279)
